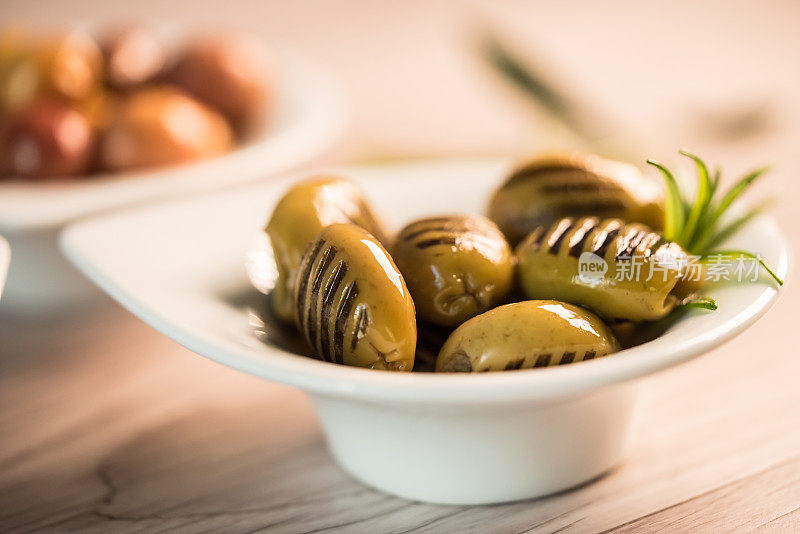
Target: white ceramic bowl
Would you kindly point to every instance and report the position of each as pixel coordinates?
(307, 115)
(460, 438)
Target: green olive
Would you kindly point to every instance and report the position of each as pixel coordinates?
(534, 333)
(65, 66)
(19, 74)
(299, 217)
(545, 189)
(456, 266)
(621, 271)
(352, 304)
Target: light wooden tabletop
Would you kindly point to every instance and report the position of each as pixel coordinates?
(108, 426)
(105, 425)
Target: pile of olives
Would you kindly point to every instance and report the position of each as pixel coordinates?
(451, 285)
(72, 105)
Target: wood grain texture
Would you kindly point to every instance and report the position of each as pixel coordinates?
(106, 425)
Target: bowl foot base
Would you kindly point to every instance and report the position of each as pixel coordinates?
(480, 454)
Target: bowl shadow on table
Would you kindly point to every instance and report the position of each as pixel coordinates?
(218, 467)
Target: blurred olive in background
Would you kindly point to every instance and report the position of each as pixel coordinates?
(133, 55)
(162, 126)
(46, 138)
(227, 73)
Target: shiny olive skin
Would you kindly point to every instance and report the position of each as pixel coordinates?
(556, 262)
(455, 266)
(523, 335)
(352, 305)
(46, 139)
(162, 126)
(226, 72)
(300, 215)
(545, 189)
(133, 55)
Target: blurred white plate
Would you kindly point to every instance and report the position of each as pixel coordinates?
(5, 259)
(307, 115)
(462, 438)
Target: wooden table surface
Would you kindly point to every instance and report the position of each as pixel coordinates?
(107, 426)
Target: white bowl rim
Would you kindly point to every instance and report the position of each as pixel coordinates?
(457, 389)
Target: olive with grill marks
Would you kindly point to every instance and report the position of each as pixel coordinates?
(618, 270)
(547, 188)
(352, 304)
(456, 266)
(299, 217)
(534, 333)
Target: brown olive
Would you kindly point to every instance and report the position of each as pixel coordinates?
(99, 108)
(133, 55)
(545, 189)
(300, 215)
(47, 138)
(227, 73)
(534, 333)
(455, 266)
(352, 304)
(162, 126)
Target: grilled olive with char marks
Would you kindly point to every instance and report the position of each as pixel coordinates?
(299, 217)
(621, 271)
(352, 304)
(534, 333)
(455, 266)
(545, 189)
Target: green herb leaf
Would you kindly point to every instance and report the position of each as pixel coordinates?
(705, 303)
(745, 254)
(737, 224)
(674, 212)
(701, 201)
(536, 86)
(733, 193)
(715, 181)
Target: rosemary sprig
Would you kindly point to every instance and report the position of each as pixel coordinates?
(696, 224)
(584, 123)
(704, 303)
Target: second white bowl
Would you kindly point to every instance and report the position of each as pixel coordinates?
(307, 115)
